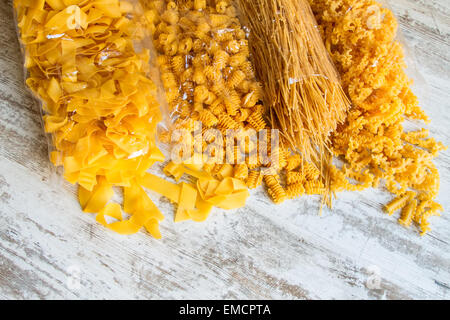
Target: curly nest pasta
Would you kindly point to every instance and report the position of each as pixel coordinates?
(360, 35)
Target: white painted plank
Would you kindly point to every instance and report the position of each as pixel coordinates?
(261, 251)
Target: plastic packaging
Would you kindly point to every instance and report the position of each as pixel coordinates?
(88, 65)
(205, 66)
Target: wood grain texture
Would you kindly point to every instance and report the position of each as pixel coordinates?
(260, 252)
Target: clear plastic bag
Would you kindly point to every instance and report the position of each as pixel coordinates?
(88, 65)
(211, 90)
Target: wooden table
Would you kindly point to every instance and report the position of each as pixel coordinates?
(261, 251)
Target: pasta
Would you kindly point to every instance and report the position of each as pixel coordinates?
(241, 172)
(373, 141)
(293, 162)
(303, 93)
(215, 83)
(92, 73)
(294, 177)
(99, 103)
(295, 190)
(255, 179)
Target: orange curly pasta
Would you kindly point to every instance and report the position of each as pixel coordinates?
(294, 177)
(360, 35)
(209, 78)
(295, 190)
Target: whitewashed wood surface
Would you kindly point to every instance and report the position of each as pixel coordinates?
(259, 252)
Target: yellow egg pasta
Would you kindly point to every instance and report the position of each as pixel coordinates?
(98, 100)
(361, 38)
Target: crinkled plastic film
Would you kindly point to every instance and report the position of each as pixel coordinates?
(203, 58)
(88, 63)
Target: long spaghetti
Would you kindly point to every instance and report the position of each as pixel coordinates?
(301, 85)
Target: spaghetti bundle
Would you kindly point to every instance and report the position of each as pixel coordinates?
(302, 89)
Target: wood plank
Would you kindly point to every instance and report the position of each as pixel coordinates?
(261, 251)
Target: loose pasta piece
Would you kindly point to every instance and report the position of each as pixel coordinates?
(226, 170)
(293, 177)
(257, 121)
(295, 190)
(277, 193)
(398, 203)
(315, 188)
(408, 213)
(310, 172)
(293, 162)
(254, 180)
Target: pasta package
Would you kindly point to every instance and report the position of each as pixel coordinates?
(88, 65)
(217, 118)
(98, 103)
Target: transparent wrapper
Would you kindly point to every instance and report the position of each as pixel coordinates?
(88, 65)
(210, 85)
(218, 108)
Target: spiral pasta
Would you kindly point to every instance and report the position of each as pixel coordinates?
(294, 177)
(209, 77)
(275, 189)
(373, 136)
(295, 190)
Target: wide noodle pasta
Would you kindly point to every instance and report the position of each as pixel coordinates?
(88, 63)
(97, 99)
